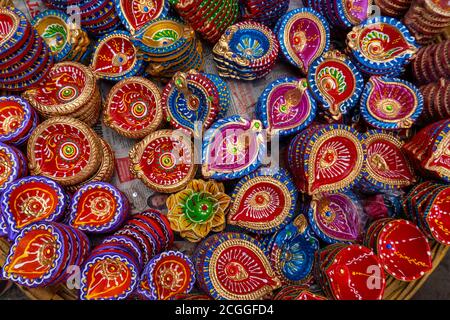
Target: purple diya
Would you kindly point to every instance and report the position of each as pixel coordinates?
(129, 242)
(3, 226)
(98, 207)
(390, 103)
(32, 199)
(16, 119)
(337, 217)
(10, 166)
(286, 106)
(232, 148)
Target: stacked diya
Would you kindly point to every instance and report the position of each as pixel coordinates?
(401, 247)
(341, 13)
(232, 148)
(286, 106)
(427, 206)
(233, 266)
(247, 51)
(66, 39)
(432, 62)
(164, 161)
(386, 167)
(169, 46)
(13, 165)
(29, 200)
(116, 57)
(25, 58)
(298, 292)
(98, 208)
(326, 158)
(262, 11)
(393, 8)
(70, 90)
(166, 276)
(133, 108)
(68, 151)
(192, 101)
(42, 252)
(17, 120)
(390, 103)
(427, 18)
(113, 269)
(381, 46)
(436, 97)
(350, 272)
(210, 18)
(428, 150)
(336, 83)
(304, 36)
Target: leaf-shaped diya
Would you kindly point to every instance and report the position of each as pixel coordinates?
(286, 106)
(437, 216)
(386, 166)
(116, 57)
(169, 273)
(164, 161)
(337, 217)
(135, 14)
(232, 148)
(16, 119)
(336, 83)
(264, 201)
(9, 166)
(235, 268)
(390, 103)
(304, 35)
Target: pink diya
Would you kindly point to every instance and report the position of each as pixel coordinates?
(133, 108)
(232, 148)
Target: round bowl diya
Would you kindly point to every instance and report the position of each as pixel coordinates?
(168, 274)
(291, 252)
(17, 120)
(14, 30)
(286, 106)
(135, 14)
(386, 166)
(326, 158)
(264, 201)
(403, 250)
(98, 208)
(133, 108)
(65, 150)
(232, 266)
(232, 148)
(304, 36)
(337, 217)
(351, 272)
(381, 44)
(32, 199)
(70, 89)
(198, 209)
(336, 83)
(116, 57)
(164, 161)
(390, 103)
(189, 100)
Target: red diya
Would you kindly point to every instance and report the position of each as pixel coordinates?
(32, 199)
(65, 150)
(135, 14)
(234, 267)
(297, 292)
(12, 165)
(98, 208)
(17, 120)
(403, 250)
(168, 274)
(164, 161)
(133, 108)
(437, 216)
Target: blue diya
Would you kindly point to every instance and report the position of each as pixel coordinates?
(304, 36)
(16, 28)
(336, 83)
(286, 106)
(264, 201)
(10, 166)
(292, 250)
(381, 43)
(232, 148)
(390, 103)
